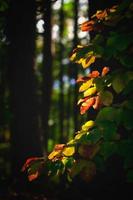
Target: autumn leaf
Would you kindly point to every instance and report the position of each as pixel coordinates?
(86, 85)
(32, 177)
(59, 147)
(105, 70)
(90, 91)
(101, 14)
(88, 61)
(53, 154)
(82, 100)
(87, 26)
(68, 151)
(97, 103)
(82, 79)
(94, 74)
(89, 124)
(28, 162)
(86, 105)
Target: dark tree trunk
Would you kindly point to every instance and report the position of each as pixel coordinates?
(75, 68)
(61, 73)
(24, 126)
(47, 71)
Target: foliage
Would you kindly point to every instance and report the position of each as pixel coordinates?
(108, 91)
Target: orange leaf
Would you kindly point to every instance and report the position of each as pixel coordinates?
(87, 26)
(97, 103)
(101, 14)
(85, 106)
(82, 79)
(32, 177)
(82, 100)
(59, 147)
(105, 71)
(94, 74)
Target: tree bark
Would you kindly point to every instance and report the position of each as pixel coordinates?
(46, 71)
(24, 125)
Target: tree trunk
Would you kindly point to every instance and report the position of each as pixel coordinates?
(47, 71)
(24, 125)
(75, 70)
(61, 73)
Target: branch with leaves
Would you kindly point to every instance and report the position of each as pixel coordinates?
(108, 90)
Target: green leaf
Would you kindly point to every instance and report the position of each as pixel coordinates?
(129, 88)
(118, 83)
(126, 60)
(77, 167)
(106, 98)
(127, 118)
(99, 161)
(94, 136)
(107, 129)
(108, 149)
(110, 114)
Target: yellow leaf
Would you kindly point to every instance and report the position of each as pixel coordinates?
(88, 125)
(90, 91)
(80, 61)
(53, 154)
(78, 136)
(86, 85)
(88, 61)
(68, 151)
(73, 56)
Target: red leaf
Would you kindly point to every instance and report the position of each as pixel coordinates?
(32, 177)
(28, 162)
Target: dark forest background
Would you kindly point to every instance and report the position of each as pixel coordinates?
(38, 94)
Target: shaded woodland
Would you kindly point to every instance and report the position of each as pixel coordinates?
(39, 95)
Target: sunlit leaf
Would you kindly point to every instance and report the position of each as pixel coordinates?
(87, 26)
(85, 106)
(100, 14)
(97, 103)
(68, 151)
(86, 85)
(89, 124)
(59, 147)
(94, 74)
(105, 70)
(88, 61)
(82, 100)
(90, 91)
(53, 154)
